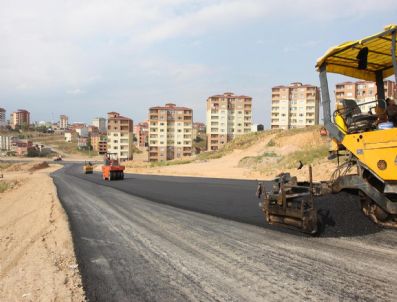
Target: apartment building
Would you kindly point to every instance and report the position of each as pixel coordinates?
(99, 143)
(141, 132)
(119, 136)
(6, 142)
(170, 132)
(363, 92)
(3, 121)
(100, 123)
(198, 129)
(63, 122)
(20, 119)
(228, 115)
(295, 106)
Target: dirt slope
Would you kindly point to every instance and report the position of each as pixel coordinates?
(37, 261)
(274, 152)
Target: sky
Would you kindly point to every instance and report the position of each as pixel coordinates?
(85, 58)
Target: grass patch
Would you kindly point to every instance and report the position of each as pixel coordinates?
(4, 165)
(271, 143)
(307, 156)
(240, 142)
(253, 161)
(211, 155)
(294, 131)
(269, 154)
(4, 186)
(170, 163)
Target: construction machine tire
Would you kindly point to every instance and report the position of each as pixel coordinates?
(111, 175)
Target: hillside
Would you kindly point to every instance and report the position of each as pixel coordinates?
(253, 156)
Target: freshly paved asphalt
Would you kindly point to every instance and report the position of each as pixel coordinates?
(231, 199)
(105, 216)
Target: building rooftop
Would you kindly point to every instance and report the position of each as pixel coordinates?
(230, 94)
(169, 106)
(295, 84)
(116, 116)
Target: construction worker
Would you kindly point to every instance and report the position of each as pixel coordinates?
(391, 111)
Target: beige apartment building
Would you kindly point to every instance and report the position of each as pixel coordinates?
(20, 119)
(363, 92)
(119, 136)
(170, 132)
(295, 106)
(3, 121)
(63, 122)
(228, 115)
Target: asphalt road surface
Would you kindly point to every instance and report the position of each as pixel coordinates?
(156, 238)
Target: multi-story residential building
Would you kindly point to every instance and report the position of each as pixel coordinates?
(21, 146)
(100, 123)
(68, 136)
(295, 106)
(6, 142)
(120, 136)
(170, 132)
(83, 143)
(74, 126)
(20, 119)
(141, 132)
(198, 129)
(363, 92)
(3, 121)
(99, 143)
(63, 122)
(228, 115)
(82, 131)
(93, 130)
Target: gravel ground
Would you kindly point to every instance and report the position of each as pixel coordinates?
(132, 249)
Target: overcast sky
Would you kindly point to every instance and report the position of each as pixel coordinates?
(85, 58)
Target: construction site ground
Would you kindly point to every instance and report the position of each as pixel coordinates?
(37, 260)
(261, 160)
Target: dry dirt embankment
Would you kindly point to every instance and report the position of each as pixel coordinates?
(252, 156)
(37, 261)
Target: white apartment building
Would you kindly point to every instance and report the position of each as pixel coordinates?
(100, 123)
(295, 106)
(228, 115)
(5, 142)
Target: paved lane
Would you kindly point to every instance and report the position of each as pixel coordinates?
(231, 199)
(132, 249)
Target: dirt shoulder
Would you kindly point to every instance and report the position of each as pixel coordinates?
(37, 260)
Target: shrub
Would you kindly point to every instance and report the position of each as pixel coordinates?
(271, 143)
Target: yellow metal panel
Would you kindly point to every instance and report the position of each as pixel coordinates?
(371, 147)
(342, 59)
